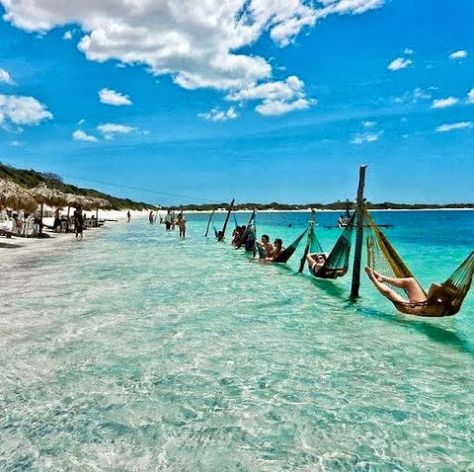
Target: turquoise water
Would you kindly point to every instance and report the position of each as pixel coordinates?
(134, 351)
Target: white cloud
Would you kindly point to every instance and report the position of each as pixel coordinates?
(80, 135)
(365, 138)
(408, 51)
(416, 95)
(445, 102)
(109, 130)
(22, 110)
(67, 36)
(16, 143)
(369, 124)
(279, 90)
(198, 43)
(454, 126)
(278, 97)
(111, 97)
(399, 63)
(279, 107)
(470, 96)
(461, 54)
(219, 115)
(6, 78)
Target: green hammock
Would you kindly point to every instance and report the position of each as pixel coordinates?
(337, 262)
(444, 300)
(285, 255)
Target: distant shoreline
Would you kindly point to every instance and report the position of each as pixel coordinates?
(324, 210)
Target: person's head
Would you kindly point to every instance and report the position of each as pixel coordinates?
(278, 243)
(265, 239)
(243, 228)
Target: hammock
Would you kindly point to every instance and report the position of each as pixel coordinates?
(249, 237)
(337, 262)
(442, 300)
(285, 255)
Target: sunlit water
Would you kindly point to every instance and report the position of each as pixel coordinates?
(132, 350)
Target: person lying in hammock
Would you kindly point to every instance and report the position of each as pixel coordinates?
(266, 246)
(316, 261)
(277, 250)
(409, 284)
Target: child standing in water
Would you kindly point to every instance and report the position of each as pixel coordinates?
(182, 225)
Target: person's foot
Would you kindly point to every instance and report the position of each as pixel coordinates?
(378, 276)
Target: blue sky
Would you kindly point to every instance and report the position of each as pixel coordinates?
(179, 102)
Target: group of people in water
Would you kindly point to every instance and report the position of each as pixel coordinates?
(171, 220)
(243, 237)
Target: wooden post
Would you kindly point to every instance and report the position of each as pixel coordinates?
(41, 219)
(67, 222)
(359, 234)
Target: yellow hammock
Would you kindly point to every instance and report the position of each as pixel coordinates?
(443, 300)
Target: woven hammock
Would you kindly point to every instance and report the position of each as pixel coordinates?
(337, 262)
(443, 300)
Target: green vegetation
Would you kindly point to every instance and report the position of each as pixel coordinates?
(31, 178)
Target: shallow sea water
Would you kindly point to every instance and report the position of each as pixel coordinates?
(134, 351)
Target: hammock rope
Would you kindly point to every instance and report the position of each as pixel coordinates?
(443, 300)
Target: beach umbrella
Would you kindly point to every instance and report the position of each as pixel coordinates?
(102, 204)
(16, 197)
(49, 196)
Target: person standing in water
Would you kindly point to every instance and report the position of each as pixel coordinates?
(182, 225)
(151, 218)
(168, 220)
(129, 216)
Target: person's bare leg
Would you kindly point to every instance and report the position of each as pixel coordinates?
(412, 287)
(384, 289)
(399, 282)
(415, 292)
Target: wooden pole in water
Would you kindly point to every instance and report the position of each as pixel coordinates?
(359, 233)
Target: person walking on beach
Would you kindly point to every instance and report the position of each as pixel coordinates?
(79, 222)
(129, 216)
(151, 218)
(182, 225)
